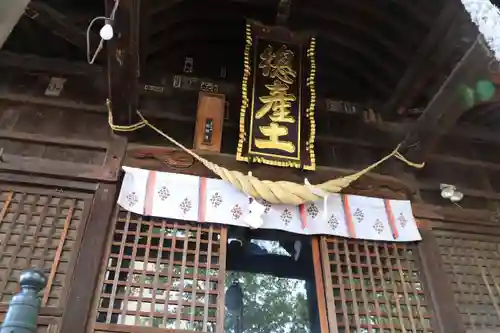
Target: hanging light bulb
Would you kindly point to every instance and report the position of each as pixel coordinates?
(447, 191)
(106, 31)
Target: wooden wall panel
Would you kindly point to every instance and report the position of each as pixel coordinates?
(58, 142)
(53, 121)
(52, 151)
(161, 274)
(472, 266)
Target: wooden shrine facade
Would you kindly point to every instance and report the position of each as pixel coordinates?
(110, 270)
(58, 212)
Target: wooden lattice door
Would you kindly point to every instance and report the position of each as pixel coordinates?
(374, 287)
(40, 228)
(162, 274)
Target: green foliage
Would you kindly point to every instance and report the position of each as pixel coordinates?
(271, 305)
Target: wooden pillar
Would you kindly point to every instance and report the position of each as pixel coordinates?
(439, 291)
(123, 61)
(10, 13)
(86, 272)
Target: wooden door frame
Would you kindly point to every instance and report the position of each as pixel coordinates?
(437, 285)
(327, 317)
(88, 264)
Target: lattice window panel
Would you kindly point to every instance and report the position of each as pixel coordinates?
(374, 287)
(38, 230)
(151, 270)
(473, 268)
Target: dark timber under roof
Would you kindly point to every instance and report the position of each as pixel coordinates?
(390, 55)
(368, 51)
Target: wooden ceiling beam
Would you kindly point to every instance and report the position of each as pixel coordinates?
(447, 105)
(59, 24)
(335, 60)
(139, 156)
(427, 83)
(369, 8)
(374, 81)
(370, 55)
(32, 62)
(319, 20)
(420, 60)
(123, 61)
(10, 13)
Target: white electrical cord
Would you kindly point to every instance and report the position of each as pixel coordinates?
(111, 17)
(101, 43)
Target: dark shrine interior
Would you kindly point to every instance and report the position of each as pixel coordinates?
(364, 48)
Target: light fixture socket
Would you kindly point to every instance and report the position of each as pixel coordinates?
(457, 196)
(447, 191)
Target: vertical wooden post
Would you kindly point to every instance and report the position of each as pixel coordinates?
(328, 288)
(438, 285)
(320, 287)
(123, 61)
(86, 272)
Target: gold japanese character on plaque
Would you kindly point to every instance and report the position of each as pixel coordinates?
(278, 101)
(273, 132)
(278, 64)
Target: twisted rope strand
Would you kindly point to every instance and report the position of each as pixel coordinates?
(279, 192)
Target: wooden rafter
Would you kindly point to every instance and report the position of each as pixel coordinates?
(318, 19)
(58, 23)
(433, 74)
(407, 82)
(369, 8)
(184, 23)
(10, 12)
(372, 56)
(446, 107)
